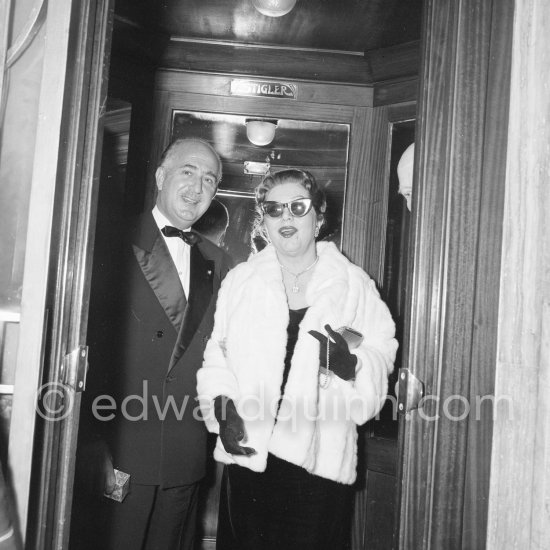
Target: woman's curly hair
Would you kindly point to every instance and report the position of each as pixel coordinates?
(259, 235)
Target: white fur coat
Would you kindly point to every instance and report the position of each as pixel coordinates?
(244, 360)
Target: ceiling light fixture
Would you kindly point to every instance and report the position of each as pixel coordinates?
(260, 132)
(274, 8)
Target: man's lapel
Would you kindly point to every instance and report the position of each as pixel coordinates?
(158, 268)
(200, 294)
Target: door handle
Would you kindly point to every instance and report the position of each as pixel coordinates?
(409, 391)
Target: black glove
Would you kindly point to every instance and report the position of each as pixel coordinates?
(231, 426)
(341, 362)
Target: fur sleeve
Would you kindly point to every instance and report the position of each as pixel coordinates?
(375, 355)
(215, 377)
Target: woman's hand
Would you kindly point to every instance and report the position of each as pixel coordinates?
(232, 430)
(341, 362)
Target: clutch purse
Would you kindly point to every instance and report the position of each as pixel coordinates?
(352, 337)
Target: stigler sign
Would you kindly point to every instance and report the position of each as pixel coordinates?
(263, 88)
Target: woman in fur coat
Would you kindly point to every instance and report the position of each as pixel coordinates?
(285, 407)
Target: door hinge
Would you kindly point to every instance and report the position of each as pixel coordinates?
(74, 368)
(410, 391)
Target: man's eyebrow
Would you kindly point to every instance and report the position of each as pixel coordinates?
(196, 167)
(213, 174)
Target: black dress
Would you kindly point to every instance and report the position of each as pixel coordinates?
(285, 507)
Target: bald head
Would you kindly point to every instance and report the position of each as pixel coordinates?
(182, 144)
(405, 171)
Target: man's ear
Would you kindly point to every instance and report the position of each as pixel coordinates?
(159, 177)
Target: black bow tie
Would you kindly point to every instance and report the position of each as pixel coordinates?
(186, 236)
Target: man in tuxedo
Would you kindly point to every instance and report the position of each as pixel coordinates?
(151, 314)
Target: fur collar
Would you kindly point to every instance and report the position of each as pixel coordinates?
(329, 286)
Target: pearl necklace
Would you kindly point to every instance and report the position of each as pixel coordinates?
(295, 287)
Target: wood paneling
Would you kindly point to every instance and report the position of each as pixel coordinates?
(392, 71)
(396, 62)
(380, 507)
(388, 93)
(363, 43)
(385, 459)
(331, 94)
(401, 112)
(347, 25)
(266, 62)
(366, 194)
(491, 201)
(454, 284)
(520, 474)
(462, 237)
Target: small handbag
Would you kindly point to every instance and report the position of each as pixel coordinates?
(353, 339)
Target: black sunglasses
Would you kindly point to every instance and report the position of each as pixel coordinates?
(297, 207)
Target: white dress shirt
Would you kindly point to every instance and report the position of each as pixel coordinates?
(179, 250)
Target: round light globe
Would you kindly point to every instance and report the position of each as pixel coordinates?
(260, 132)
(274, 8)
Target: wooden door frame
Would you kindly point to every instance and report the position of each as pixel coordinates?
(77, 206)
(381, 455)
(460, 158)
(57, 266)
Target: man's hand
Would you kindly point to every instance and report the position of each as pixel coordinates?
(342, 362)
(96, 469)
(232, 430)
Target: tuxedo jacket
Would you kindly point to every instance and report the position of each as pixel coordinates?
(146, 342)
